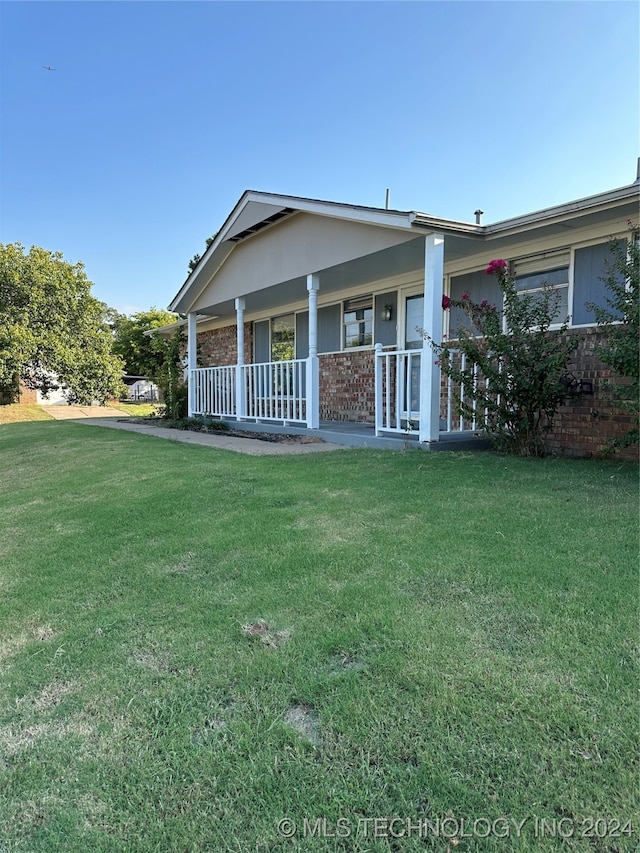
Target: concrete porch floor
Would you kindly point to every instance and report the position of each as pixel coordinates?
(350, 434)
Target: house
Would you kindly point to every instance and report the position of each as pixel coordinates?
(305, 312)
(141, 388)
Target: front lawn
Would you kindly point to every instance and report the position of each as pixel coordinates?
(14, 413)
(202, 651)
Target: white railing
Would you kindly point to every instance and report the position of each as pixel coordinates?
(397, 390)
(213, 391)
(397, 393)
(273, 391)
(453, 421)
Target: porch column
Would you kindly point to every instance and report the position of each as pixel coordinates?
(240, 385)
(313, 363)
(192, 363)
(430, 371)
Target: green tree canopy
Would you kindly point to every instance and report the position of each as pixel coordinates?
(53, 332)
(139, 352)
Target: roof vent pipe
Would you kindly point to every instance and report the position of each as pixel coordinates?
(478, 214)
(638, 170)
(386, 202)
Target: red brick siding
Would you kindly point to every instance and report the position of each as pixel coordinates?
(218, 347)
(585, 426)
(347, 386)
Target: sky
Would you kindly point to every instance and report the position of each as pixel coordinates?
(159, 115)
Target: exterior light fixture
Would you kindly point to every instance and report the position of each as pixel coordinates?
(386, 312)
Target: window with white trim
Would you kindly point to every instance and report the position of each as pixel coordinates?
(358, 322)
(534, 275)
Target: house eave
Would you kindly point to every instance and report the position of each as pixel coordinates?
(564, 212)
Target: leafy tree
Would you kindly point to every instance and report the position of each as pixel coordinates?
(620, 320)
(513, 379)
(138, 351)
(169, 376)
(53, 332)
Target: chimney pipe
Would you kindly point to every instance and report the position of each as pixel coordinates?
(386, 203)
(478, 214)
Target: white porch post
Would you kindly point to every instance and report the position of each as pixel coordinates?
(240, 407)
(430, 371)
(313, 363)
(192, 362)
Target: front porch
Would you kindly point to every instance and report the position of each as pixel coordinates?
(284, 396)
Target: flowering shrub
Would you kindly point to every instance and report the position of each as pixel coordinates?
(512, 380)
(620, 320)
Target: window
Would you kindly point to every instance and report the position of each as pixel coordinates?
(358, 322)
(282, 338)
(531, 281)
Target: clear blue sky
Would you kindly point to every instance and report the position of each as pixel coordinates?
(160, 114)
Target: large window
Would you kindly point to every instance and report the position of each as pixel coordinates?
(358, 322)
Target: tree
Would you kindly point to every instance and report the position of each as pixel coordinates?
(513, 379)
(138, 351)
(620, 321)
(53, 332)
(170, 352)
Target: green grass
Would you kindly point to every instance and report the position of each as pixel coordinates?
(22, 412)
(138, 410)
(444, 636)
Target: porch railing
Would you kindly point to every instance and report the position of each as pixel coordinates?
(213, 391)
(272, 391)
(275, 391)
(397, 379)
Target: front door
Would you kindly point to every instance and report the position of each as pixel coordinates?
(414, 321)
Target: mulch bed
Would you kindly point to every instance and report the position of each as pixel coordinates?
(275, 437)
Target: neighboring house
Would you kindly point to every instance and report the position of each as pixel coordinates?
(141, 388)
(303, 311)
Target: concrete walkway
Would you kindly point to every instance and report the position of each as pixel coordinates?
(74, 413)
(251, 446)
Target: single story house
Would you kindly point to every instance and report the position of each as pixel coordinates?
(303, 312)
(141, 388)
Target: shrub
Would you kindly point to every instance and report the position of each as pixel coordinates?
(620, 320)
(513, 379)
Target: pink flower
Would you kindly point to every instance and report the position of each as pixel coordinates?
(436, 362)
(465, 296)
(496, 267)
(446, 302)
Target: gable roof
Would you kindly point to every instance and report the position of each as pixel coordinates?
(256, 211)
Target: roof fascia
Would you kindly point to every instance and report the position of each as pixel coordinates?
(564, 211)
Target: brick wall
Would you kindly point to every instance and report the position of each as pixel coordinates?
(585, 426)
(347, 390)
(218, 347)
